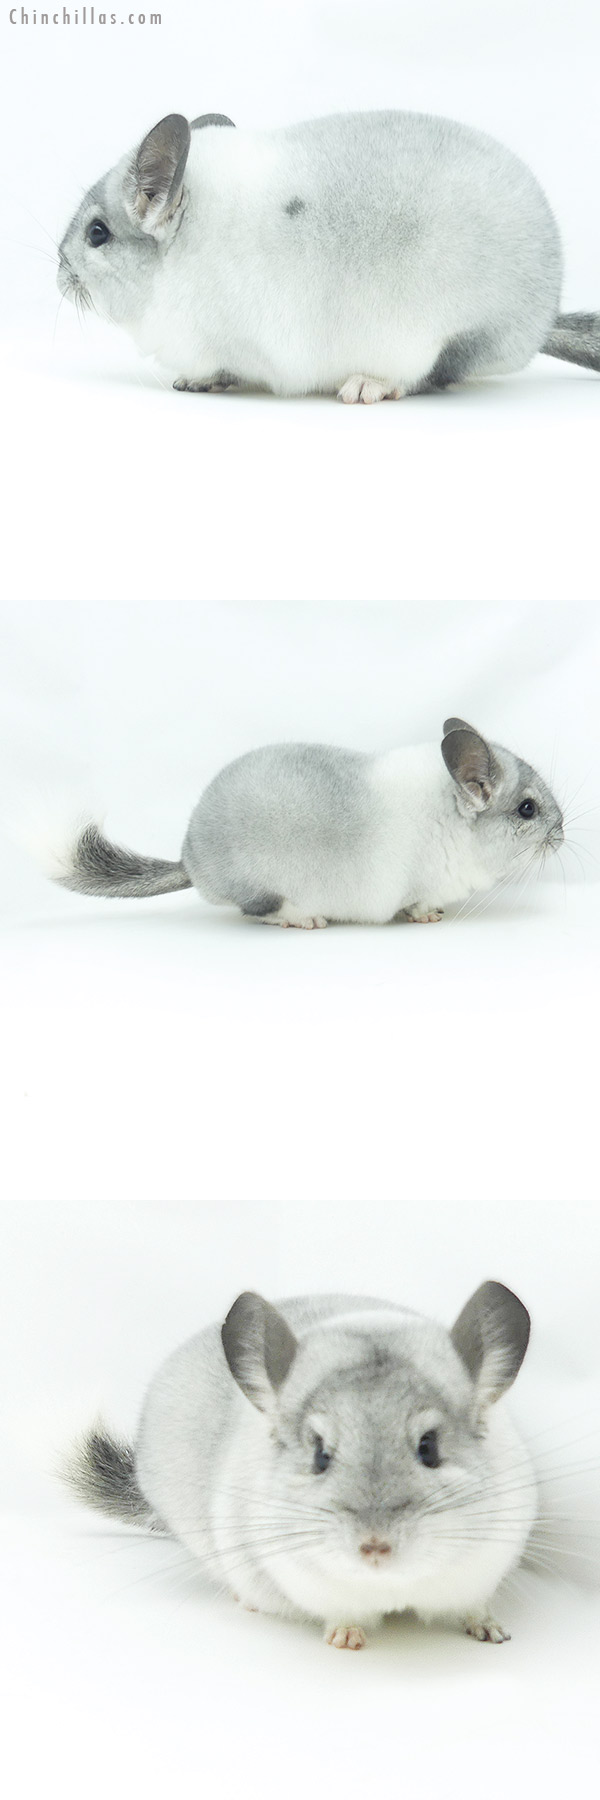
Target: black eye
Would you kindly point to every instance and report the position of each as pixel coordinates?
(528, 809)
(321, 1458)
(428, 1452)
(97, 233)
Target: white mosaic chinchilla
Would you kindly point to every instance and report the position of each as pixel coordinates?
(335, 1459)
(371, 255)
(299, 834)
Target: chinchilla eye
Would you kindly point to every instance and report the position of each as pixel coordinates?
(321, 1458)
(428, 1452)
(97, 233)
(528, 809)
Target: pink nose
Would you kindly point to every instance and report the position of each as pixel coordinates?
(375, 1547)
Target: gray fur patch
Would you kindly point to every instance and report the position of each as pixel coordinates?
(271, 815)
(464, 355)
(261, 904)
(96, 200)
(529, 784)
(295, 206)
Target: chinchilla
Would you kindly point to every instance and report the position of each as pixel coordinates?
(335, 1459)
(298, 834)
(368, 255)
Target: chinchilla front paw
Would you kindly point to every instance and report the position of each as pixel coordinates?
(486, 1630)
(424, 915)
(346, 1637)
(367, 390)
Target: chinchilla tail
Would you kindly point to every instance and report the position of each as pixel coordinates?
(100, 1471)
(92, 865)
(575, 338)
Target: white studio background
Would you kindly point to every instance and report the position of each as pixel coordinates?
(192, 1103)
(122, 1657)
(115, 484)
(165, 1047)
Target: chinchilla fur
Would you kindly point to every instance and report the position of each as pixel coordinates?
(370, 255)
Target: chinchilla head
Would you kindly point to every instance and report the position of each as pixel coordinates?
(379, 1427)
(512, 812)
(109, 256)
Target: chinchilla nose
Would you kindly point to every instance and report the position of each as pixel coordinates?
(375, 1546)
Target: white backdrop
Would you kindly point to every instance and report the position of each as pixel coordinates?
(193, 1103)
(487, 493)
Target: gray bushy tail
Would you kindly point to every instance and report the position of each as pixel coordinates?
(575, 338)
(92, 865)
(100, 1470)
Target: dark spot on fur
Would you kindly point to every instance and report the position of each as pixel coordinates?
(295, 206)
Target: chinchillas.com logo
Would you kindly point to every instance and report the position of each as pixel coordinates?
(80, 15)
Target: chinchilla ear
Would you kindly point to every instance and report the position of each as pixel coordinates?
(260, 1348)
(455, 725)
(470, 762)
(210, 119)
(491, 1336)
(157, 173)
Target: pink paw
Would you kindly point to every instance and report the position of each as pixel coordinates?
(367, 390)
(346, 1637)
(416, 917)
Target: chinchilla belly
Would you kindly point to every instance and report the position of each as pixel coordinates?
(293, 822)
